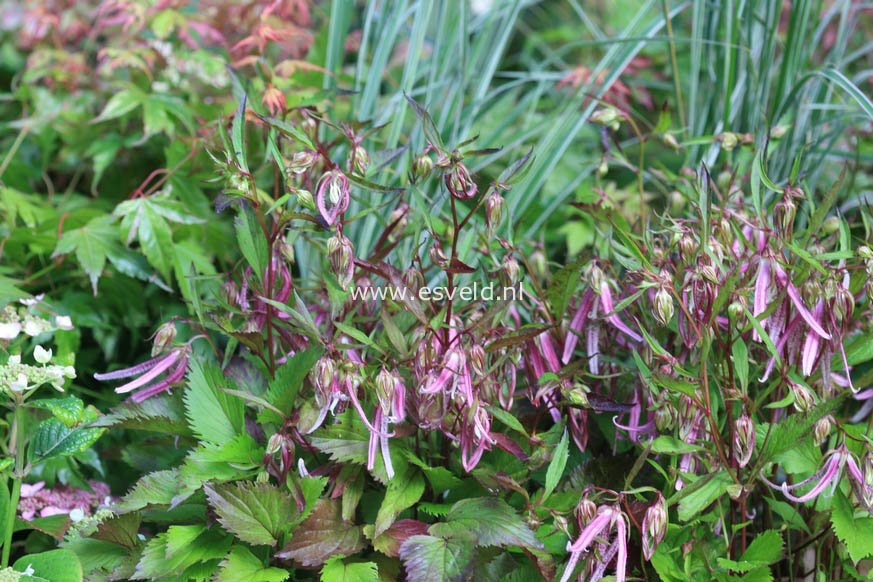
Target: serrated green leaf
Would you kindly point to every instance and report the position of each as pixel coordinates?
(287, 381)
(241, 564)
(214, 416)
(337, 570)
(180, 537)
(493, 522)
(256, 513)
(155, 563)
(855, 532)
(434, 559)
(157, 488)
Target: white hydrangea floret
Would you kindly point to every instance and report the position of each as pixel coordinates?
(42, 355)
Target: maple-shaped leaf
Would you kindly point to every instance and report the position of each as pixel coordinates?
(256, 513)
(323, 535)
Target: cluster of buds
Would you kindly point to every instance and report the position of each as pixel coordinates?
(17, 378)
(27, 319)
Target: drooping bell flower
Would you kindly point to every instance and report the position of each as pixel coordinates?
(608, 518)
(146, 385)
(332, 197)
(829, 474)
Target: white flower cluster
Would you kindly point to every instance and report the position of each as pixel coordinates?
(14, 321)
(18, 377)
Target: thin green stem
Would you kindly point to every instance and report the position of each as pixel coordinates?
(15, 448)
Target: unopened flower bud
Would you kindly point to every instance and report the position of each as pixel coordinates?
(595, 277)
(784, 212)
(729, 140)
(603, 168)
(586, 510)
(804, 399)
(322, 376)
(460, 183)
(302, 161)
(671, 141)
(812, 291)
(823, 429)
(422, 166)
(437, 255)
(310, 127)
(744, 439)
(608, 116)
(778, 131)
(665, 417)
(286, 250)
(342, 259)
(654, 526)
(538, 266)
(274, 445)
(229, 293)
(510, 273)
(687, 247)
(578, 395)
(737, 312)
(864, 252)
(844, 304)
(164, 338)
(399, 218)
(561, 524)
(663, 306)
(385, 383)
(493, 211)
(478, 359)
(413, 280)
(359, 160)
(708, 273)
(831, 225)
(305, 199)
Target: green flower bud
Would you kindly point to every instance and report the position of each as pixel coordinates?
(663, 306)
(164, 338)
